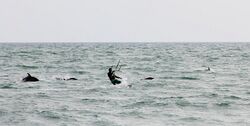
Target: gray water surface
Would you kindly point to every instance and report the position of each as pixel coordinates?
(183, 92)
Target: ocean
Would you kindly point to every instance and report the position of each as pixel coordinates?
(183, 92)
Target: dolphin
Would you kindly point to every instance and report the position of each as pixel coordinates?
(71, 79)
(29, 78)
(148, 78)
(67, 78)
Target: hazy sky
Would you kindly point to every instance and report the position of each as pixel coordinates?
(124, 20)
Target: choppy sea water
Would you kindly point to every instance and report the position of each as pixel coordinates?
(183, 92)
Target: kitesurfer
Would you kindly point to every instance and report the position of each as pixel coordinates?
(113, 77)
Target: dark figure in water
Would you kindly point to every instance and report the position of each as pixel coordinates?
(208, 68)
(149, 78)
(66, 79)
(29, 78)
(71, 79)
(112, 77)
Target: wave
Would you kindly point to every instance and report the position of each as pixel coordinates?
(248, 92)
(27, 67)
(181, 78)
(182, 103)
(81, 72)
(147, 103)
(233, 97)
(188, 78)
(7, 86)
(3, 113)
(191, 119)
(223, 104)
(93, 100)
(49, 115)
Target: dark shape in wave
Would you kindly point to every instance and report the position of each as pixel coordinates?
(27, 67)
(92, 100)
(192, 119)
(49, 115)
(213, 95)
(29, 78)
(8, 86)
(233, 97)
(223, 104)
(145, 103)
(66, 78)
(189, 78)
(182, 78)
(182, 103)
(81, 72)
(42, 95)
(148, 78)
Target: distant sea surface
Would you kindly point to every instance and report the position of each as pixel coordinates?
(183, 92)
